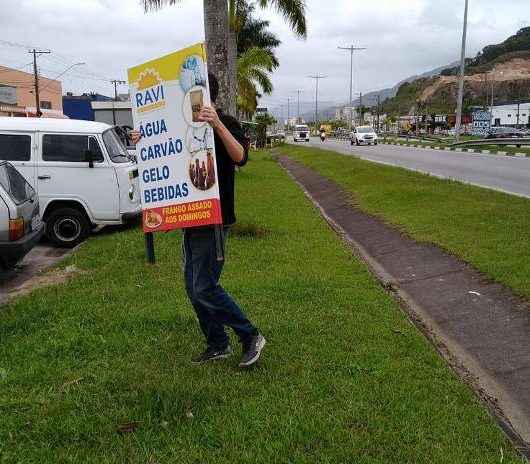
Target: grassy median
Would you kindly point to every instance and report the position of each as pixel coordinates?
(488, 229)
(97, 370)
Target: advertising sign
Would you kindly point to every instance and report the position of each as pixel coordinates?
(176, 154)
(481, 122)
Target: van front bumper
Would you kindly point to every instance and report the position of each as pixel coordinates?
(12, 252)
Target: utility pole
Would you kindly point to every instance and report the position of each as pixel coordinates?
(460, 102)
(288, 112)
(36, 74)
(351, 49)
(116, 82)
(361, 114)
(378, 111)
(317, 77)
(298, 91)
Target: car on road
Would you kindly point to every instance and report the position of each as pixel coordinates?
(363, 135)
(83, 175)
(505, 133)
(20, 224)
(301, 133)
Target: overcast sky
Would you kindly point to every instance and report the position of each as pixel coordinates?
(402, 38)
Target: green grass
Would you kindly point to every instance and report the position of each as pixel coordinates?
(345, 377)
(488, 229)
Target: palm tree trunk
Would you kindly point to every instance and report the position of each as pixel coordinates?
(221, 51)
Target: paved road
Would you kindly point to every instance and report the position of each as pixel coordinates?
(508, 174)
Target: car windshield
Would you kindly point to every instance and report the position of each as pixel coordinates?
(364, 130)
(117, 152)
(14, 184)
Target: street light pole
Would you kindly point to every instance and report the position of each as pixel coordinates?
(351, 49)
(317, 77)
(458, 126)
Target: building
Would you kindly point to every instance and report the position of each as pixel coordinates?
(346, 113)
(17, 94)
(108, 111)
(80, 106)
(513, 114)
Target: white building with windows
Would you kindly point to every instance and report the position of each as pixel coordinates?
(513, 114)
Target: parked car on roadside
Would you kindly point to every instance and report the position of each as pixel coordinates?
(505, 133)
(81, 172)
(301, 133)
(363, 135)
(20, 224)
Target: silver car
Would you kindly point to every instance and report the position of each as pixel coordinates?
(20, 224)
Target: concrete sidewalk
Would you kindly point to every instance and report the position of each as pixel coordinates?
(480, 327)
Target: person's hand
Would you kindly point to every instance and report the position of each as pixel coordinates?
(135, 136)
(209, 115)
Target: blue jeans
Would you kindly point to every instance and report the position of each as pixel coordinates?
(214, 307)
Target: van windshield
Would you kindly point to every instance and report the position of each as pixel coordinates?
(117, 152)
(302, 128)
(14, 184)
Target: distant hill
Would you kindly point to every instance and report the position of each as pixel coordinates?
(507, 64)
(516, 46)
(505, 67)
(327, 111)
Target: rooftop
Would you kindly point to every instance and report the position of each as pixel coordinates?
(51, 125)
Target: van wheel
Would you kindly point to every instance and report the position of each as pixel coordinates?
(67, 227)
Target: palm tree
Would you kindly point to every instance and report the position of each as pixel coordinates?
(221, 42)
(253, 68)
(253, 32)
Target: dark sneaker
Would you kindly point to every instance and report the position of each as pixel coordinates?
(253, 351)
(211, 354)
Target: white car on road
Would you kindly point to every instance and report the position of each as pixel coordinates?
(81, 172)
(363, 135)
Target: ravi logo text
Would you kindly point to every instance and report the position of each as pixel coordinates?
(150, 93)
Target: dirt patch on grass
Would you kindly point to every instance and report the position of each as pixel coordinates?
(248, 231)
(55, 277)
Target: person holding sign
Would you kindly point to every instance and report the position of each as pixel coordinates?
(214, 307)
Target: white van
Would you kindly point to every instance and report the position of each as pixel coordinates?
(82, 173)
(301, 132)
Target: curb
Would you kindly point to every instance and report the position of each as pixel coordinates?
(463, 150)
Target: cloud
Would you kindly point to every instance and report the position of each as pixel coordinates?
(403, 38)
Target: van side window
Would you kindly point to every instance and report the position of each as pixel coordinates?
(70, 148)
(15, 147)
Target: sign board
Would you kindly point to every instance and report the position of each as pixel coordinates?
(8, 94)
(481, 122)
(176, 154)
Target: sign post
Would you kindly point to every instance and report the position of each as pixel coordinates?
(176, 153)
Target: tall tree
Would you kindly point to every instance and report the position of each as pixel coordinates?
(221, 44)
(253, 32)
